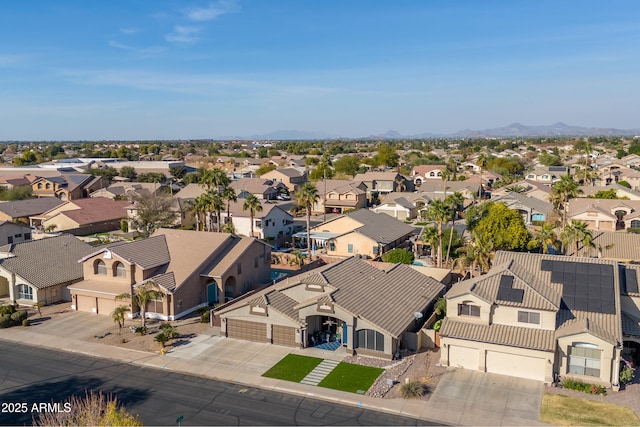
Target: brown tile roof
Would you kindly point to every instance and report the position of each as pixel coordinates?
(26, 208)
(96, 210)
(604, 326)
(103, 286)
(611, 245)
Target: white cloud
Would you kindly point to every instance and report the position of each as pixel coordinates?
(117, 45)
(183, 34)
(130, 30)
(212, 11)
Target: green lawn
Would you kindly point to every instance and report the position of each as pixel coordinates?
(570, 411)
(351, 378)
(292, 368)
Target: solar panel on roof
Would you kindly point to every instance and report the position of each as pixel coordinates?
(631, 280)
(545, 265)
(506, 291)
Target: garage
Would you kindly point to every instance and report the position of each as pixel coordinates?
(284, 335)
(106, 306)
(85, 303)
(245, 330)
(463, 357)
(514, 365)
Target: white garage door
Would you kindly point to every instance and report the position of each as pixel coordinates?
(531, 368)
(463, 357)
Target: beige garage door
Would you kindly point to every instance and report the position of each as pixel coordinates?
(463, 357)
(245, 330)
(284, 335)
(531, 368)
(106, 306)
(86, 304)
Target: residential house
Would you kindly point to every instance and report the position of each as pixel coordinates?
(339, 304)
(532, 189)
(84, 216)
(191, 268)
(263, 189)
(272, 222)
(531, 209)
(337, 196)
(8, 182)
(421, 173)
(125, 190)
(36, 271)
(541, 316)
(292, 178)
(432, 190)
(623, 247)
(384, 182)
(403, 206)
(605, 214)
(10, 232)
(68, 186)
(23, 210)
(360, 232)
(620, 191)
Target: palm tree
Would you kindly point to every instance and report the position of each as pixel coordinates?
(253, 205)
(546, 236)
(216, 204)
(229, 194)
(576, 233)
(199, 207)
(118, 316)
(563, 191)
(440, 212)
(430, 235)
(307, 197)
(455, 200)
(482, 161)
(516, 188)
(214, 179)
(144, 294)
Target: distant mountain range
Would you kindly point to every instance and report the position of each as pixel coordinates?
(512, 130)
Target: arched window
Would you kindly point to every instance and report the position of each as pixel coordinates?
(99, 267)
(25, 292)
(48, 186)
(119, 270)
(370, 339)
(39, 186)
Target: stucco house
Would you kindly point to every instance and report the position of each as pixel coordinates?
(292, 178)
(341, 303)
(529, 208)
(547, 175)
(272, 222)
(384, 182)
(68, 186)
(422, 173)
(337, 196)
(538, 316)
(192, 269)
(40, 270)
(360, 232)
(23, 210)
(263, 189)
(10, 232)
(605, 214)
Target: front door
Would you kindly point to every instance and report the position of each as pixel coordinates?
(212, 293)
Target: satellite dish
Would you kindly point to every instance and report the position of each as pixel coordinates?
(417, 315)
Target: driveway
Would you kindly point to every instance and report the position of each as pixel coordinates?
(465, 397)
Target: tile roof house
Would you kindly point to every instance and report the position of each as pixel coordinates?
(292, 178)
(263, 189)
(125, 189)
(10, 232)
(623, 247)
(84, 216)
(531, 209)
(192, 269)
(339, 195)
(40, 270)
(547, 174)
(605, 214)
(69, 186)
(360, 232)
(347, 303)
(538, 316)
(272, 222)
(384, 182)
(23, 210)
(421, 173)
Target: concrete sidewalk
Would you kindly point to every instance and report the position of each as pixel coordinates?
(244, 362)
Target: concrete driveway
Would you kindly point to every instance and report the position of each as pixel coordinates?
(465, 397)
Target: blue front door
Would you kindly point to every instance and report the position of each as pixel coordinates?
(212, 293)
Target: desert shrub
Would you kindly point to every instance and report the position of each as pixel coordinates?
(170, 331)
(584, 387)
(5, 321)
(626, 374)
(205, 317)
(412, 390)
(140, 330)
(26, 322)
(19, 316)
(162, 338)
(7, 309)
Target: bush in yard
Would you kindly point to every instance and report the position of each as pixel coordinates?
(205, 317)
(5, 321)
(26, 322)
(412, 390)
(162, 338)
(170, 331)
(584, 387)
(7, 309)
(19, 316)
(626, 373)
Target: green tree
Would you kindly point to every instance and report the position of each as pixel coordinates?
(229, 194)
(577, 233)
(178, 172)
(387, 155)
(215, 178)
(265, 169)
(118, 315)
(347, 165)
(398, 255)
(544, 238)
(215, 205)
(152, 212)
(152, 177)
(199, 208)
(307, 197)
(456, 200)
(440, 212)
(143, 295)
(504, 228)
(562, 191)
(253, 205)
(128, 172)
(21, 192)
(107, 172)
(611, 194)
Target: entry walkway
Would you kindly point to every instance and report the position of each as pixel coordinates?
(319, 372)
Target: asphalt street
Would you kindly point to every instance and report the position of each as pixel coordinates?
(35, 375)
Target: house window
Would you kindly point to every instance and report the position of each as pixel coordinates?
(258, 224)
(584, 359)
(635, 224)
(119, 270)
(10, 239)
(468, 310)
(332, 246)
(350, 248)
(528, 317)
(99, 267)
(27, 236)
(25, 292)
(370, 339)
(39, 186)
(48, 186)
(239, 268)
(376, 250)
(18, 236)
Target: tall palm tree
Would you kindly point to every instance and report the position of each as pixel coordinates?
(253, 205)
(455, 200)
(546, 236)
(144, 294)
(562, 191)
(229, 194)
(199, 207)
(214, 179)
(440, 212)
(576, 233)
(118, 316)
(215, 205)
(430, 235)
(307, 197)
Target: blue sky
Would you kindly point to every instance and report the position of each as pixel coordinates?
(139, 69)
